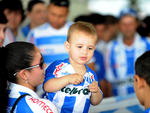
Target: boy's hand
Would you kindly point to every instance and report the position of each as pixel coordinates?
(96, 94)
(75, 78)
(94, 88)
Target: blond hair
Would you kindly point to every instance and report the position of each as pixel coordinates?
(85, 27)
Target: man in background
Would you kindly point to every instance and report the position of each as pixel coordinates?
(50, 37)
(122, 53)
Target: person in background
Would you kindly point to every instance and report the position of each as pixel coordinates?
(37, 15)
(14, 13)
(111, 31)
(3, 79)
(142, 80)
(106, 27)
(51, 36)
(23, 66)
(122, 53)
(70, 84)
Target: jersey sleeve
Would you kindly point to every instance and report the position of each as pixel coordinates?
(49, 71)
(94, 75)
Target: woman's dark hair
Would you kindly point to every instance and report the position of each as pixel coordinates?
(16, 56)
(142, 66)
(32, 3)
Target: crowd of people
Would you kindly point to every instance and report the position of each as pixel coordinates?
(58, 66)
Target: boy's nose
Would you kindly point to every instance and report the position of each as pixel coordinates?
(84, 51)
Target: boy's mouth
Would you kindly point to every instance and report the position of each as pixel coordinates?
(83, 58)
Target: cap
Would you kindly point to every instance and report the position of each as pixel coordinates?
(63, 3)
(128, 11)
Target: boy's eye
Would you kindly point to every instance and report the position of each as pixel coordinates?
(90, 48)
(79, 46)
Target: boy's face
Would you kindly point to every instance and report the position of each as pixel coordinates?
(80, 47)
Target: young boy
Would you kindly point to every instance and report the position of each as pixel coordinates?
(71, 85)
(142, 80)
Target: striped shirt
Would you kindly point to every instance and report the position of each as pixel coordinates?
(71, 98)
(120, 61)
(30, 103)
(50, 41)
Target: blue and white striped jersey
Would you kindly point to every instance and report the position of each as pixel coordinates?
(71, 98)
(28, 104)
(50, 41)
(120, 61)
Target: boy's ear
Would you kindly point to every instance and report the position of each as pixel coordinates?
(67, 46)
(140, 82)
